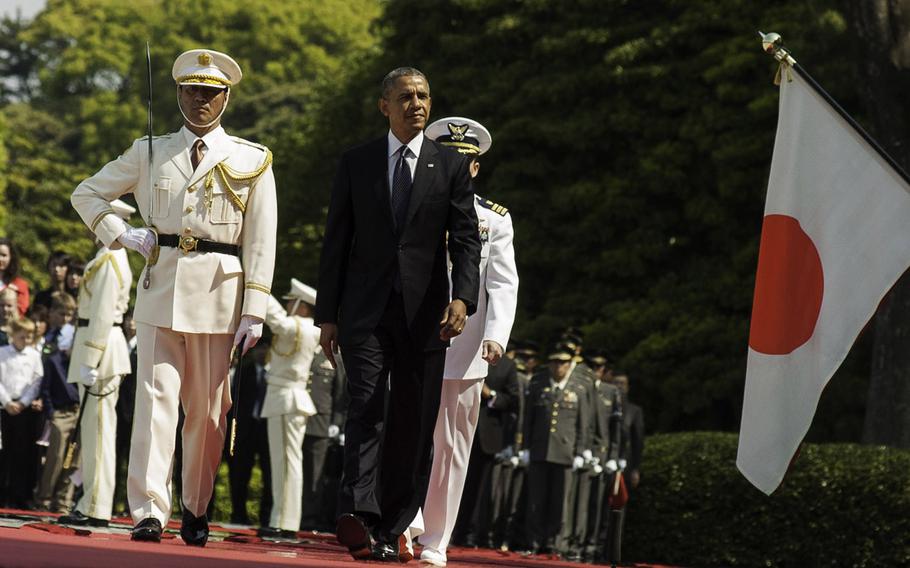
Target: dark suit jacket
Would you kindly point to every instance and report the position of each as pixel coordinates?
(361, 250)
(493, 423)
(633, 439)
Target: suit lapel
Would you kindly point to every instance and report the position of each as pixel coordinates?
(380, 175)
(180, 155)
(423, 177)
(213, 156)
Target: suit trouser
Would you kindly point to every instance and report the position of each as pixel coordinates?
(453, 436)
(546, 497)
(315, 449)
(55, 491)
(252, 440)
(19, 457)
(177, 368)
(286, 456)
(575, 514)
(394, 388)
(98, 439)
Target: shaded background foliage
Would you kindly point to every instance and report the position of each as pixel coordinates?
(631, 143)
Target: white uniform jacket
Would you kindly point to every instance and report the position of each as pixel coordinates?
(498, 296)
(229, 198)
(294, 343)
(104, 296)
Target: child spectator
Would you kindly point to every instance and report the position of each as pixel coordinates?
(39, 314)
(74, 271)
(57, 265)
(20, 383)
(9, 312)
(61, 403)
(9, 274)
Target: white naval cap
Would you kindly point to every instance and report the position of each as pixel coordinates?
(206, 68)
(121, 209)
(465, 135)
(302, 292)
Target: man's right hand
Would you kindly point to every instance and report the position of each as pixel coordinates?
(14, 407)
(140, 240)
(328, 339)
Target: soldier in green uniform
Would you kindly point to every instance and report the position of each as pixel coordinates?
(556, 432)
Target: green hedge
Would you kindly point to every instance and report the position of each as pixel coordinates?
(840, 505)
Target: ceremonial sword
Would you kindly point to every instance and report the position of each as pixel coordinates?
(153, 255)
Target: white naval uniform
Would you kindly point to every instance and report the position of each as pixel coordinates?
(104, 297)
(465, 370)
(186, 319)
(287, 405)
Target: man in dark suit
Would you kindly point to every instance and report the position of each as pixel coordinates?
(399, 204)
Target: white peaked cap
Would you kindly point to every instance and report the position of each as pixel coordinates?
(206, 68)
(463, 134)
(302, 292)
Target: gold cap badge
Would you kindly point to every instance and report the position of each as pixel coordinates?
(205, 59)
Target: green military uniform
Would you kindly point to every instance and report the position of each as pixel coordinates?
(557, 429)
(606, 441)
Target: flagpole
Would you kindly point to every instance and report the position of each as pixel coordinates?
(773, 44)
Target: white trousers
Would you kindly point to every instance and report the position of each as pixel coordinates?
(176, 368)
(98, 441)
(453, 436)
(286, 458)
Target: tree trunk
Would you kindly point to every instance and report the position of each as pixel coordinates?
(883, 33)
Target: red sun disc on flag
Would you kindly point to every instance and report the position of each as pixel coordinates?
(788, 288)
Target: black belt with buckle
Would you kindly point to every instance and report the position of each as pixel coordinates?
(189, 243)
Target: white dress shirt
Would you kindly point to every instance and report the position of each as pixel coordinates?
(214, 137)
(394, 144)
(20, 374)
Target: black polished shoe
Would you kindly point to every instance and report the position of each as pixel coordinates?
(272, 532)
(385, 551)
(147, 530)
(351, 531)
(194, 530)
(75, 517)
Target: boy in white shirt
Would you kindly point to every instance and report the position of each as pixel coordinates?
(20, 383)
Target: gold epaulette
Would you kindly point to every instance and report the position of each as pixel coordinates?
(494, 207)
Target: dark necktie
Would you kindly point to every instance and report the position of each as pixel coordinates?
(401, 189)
(196, 153)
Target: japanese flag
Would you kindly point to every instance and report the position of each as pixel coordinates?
(835, 238)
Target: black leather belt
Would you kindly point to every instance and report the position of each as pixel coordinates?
(189, 243)
(82, 322)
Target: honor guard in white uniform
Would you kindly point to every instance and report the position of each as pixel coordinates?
(287, 403)
(99, 360)
(481, 343)
(208, 202)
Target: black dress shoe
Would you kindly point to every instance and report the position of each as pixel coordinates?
(385, 551)
(77, 518)
(194, 530)
(352, 532)
(147, 529)
(272, 532)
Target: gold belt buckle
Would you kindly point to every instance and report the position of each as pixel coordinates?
(188, 243)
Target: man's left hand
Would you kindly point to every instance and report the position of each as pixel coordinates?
(492, 352)
(251, 327)
(453, 320)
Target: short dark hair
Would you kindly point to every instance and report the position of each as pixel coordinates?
(37, 313)
(75, 267)
(394, 74)
(59, 257)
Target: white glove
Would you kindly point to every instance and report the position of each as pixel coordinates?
(140, 240)
(611, 466)
(334, 430)
(587, 455)
(251, 327)
(622, 465)
(340, 439)
(578, 463)
(88, 376)
(524, 457)
(596, 470)
(514, 461)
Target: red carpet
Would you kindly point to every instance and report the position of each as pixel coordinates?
(27, 540)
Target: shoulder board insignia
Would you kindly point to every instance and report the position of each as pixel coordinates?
(494, 207)
(245, 142)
